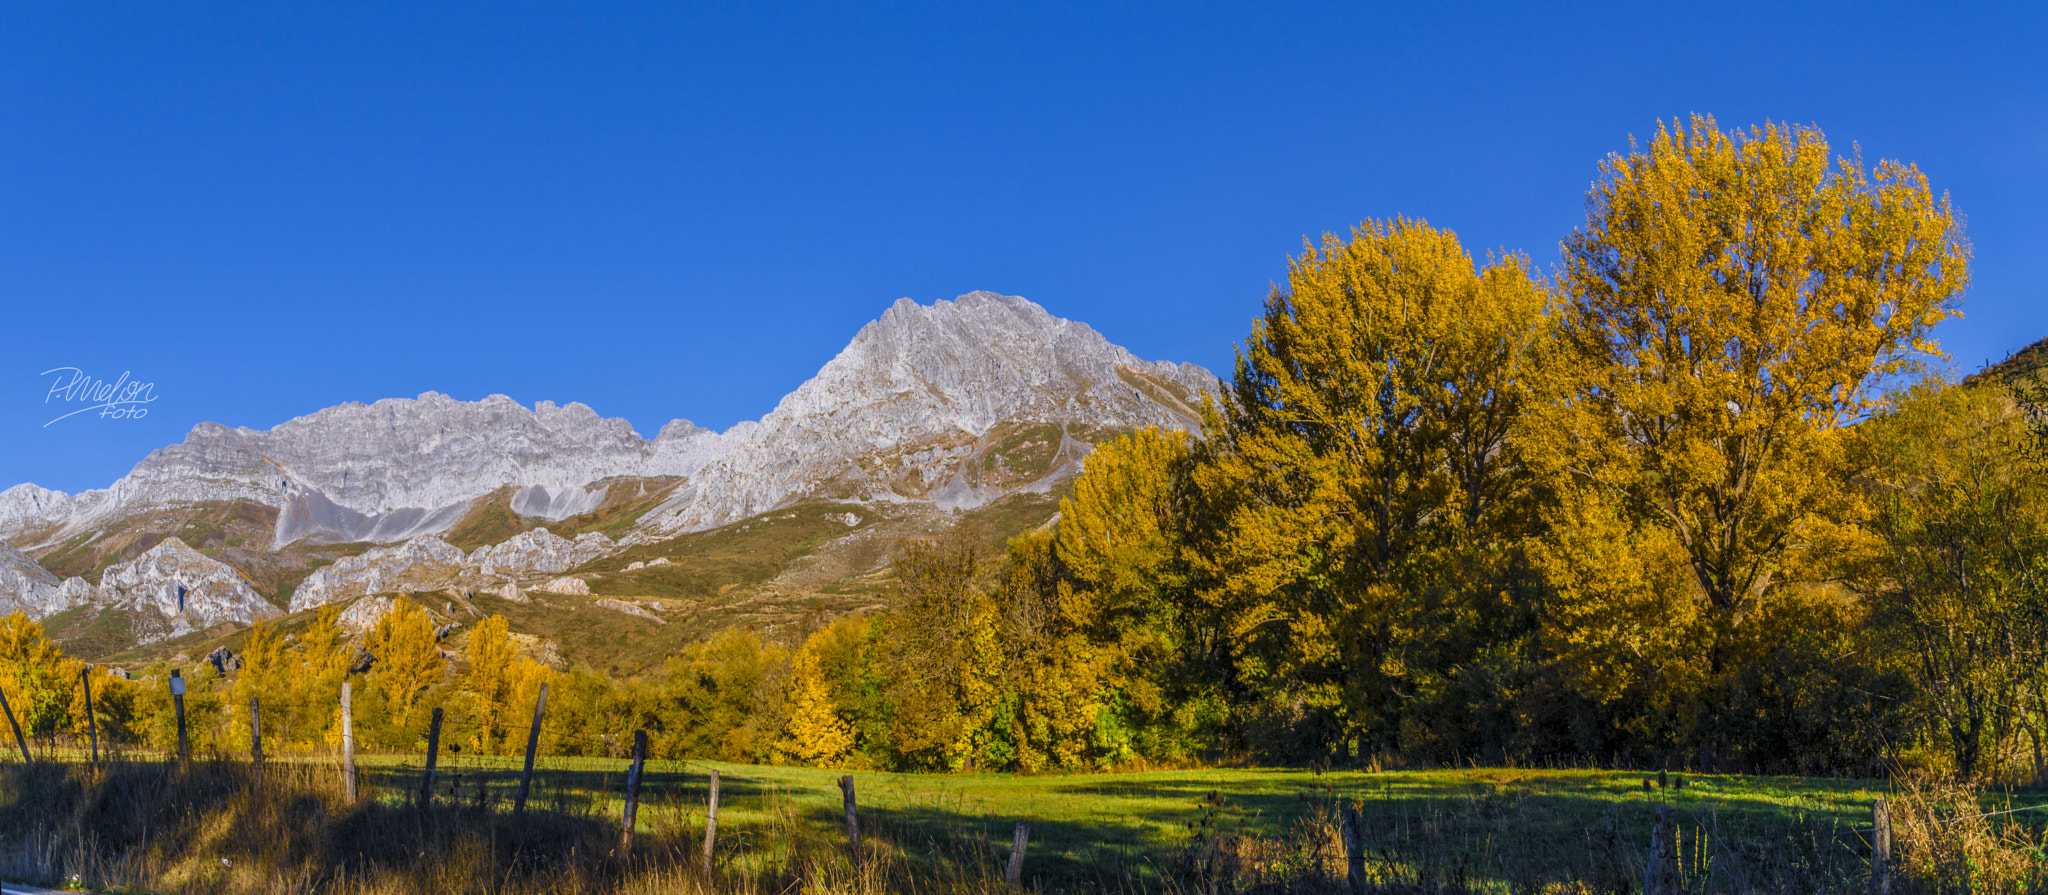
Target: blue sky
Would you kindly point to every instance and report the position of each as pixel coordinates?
(676, 211)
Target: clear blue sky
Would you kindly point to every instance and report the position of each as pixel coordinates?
(667, 211)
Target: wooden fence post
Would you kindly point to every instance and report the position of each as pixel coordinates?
(1880, 848)
(19, 740)
(540, 707)
(178, 702)
(627, 823)
(711, 822)
(1661, 876)
(348, 747)
(1354, 850)
(852, 818)
(255, 733)
(433, 752)
(92, 727)
(1014, 874)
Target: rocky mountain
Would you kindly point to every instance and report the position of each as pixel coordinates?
(931, 408)
(916, 405)
(380, 472)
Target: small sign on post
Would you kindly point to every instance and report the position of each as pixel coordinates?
(178, 703)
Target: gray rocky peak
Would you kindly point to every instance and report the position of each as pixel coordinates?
(916, 408)
(949, 370)
(381, 472)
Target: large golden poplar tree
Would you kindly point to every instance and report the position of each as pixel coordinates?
(1733, 302)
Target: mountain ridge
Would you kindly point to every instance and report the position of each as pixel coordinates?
(939, 408)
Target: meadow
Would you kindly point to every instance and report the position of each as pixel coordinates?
(138, 823)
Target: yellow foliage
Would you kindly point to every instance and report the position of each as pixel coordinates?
(1734, 301)
(815, 734)
(407, 660)
(1360, 475)
(38, 680)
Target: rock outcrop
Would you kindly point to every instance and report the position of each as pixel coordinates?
(537, 552)
(421, 565)
(363, 614)
(574, 587)
(25, 586)
(426, 563)
(628, 608)
(189, 589)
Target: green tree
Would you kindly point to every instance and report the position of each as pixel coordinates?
(1960, 587)
(944, 658)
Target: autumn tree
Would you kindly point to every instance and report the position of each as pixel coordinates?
(1357, 485)
(1732, 304)
(711, 697)
(1094, 617)
(38, 678)
(1960, 589)
(944, 656)
(495, 672)
(815, 734)
(407, 659)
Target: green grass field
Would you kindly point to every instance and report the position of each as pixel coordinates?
(1451, 830)
(1483, 824)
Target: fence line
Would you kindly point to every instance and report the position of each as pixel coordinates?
(1660, 872)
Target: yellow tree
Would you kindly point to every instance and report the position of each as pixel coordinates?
(324, 657)
(1734, 301)
(815, 734)
(38, 678)
(1094, 612)
(268, 673)
(489, 682)
(1359, 472)
(407, 661)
